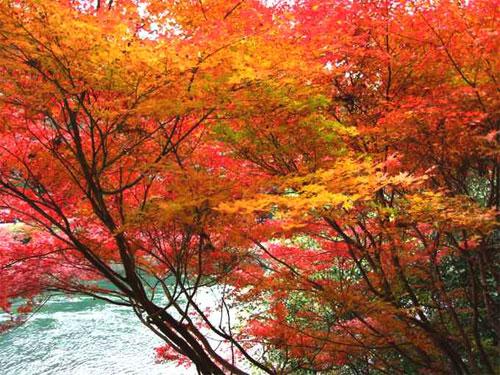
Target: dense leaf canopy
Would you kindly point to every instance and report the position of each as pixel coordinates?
(328, 171)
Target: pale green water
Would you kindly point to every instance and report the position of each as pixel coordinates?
(81, 336)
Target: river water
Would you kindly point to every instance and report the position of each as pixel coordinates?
(81, 336)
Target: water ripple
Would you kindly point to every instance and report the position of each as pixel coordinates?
(81, 336)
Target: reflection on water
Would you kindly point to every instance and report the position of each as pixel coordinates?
(81, 336)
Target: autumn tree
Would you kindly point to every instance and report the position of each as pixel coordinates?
(327, 169)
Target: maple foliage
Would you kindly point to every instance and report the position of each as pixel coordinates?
(325, 171)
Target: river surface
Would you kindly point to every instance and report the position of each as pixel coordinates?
(81, 336)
